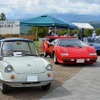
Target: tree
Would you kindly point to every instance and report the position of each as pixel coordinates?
(2, 17)
(98, 31)
(42, 31)
(88, 32)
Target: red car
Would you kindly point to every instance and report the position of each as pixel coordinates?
(69, 50)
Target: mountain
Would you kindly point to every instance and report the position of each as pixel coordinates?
(69, 17)
(94, 20)
(77, 18)
(95, 24)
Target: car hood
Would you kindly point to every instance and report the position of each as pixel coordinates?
(95, 45)
(77, 51)
(27, 65)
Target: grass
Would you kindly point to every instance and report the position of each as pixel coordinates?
(39, 47)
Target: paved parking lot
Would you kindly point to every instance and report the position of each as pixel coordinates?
(85, 85)
(62, 74)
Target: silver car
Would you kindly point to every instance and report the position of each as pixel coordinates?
(21, 65)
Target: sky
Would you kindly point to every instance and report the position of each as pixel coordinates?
(20, 9)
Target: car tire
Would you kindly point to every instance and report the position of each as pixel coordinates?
(46, 87)
(55, 58)
(3, 87)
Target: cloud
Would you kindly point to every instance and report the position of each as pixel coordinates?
(87, 1)
(20, 8)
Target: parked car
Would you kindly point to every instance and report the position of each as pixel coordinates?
(48, 45)
(21, 65)
(70, 51)
(93, 42)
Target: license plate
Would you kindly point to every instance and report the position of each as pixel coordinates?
(80, 60)
(32, 78)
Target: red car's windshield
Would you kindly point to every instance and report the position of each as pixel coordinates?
(71, 42)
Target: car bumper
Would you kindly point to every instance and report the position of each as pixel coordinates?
(21, 80)
(78, 60)
(27, 84)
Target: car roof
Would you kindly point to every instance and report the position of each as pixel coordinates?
(15, 39)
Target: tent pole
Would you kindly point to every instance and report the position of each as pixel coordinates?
(55, 29)
(68, 32)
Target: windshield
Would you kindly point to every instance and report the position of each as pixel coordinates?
(19, 48)
(71, 43)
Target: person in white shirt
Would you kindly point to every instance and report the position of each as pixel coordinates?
(94, 35)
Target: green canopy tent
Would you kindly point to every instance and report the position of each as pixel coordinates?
(47, 21)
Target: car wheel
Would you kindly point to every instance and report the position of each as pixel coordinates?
(55, 58)
(45, 54)
(3, 87)
(46, 87)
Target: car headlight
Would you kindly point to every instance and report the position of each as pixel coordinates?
(64, 54)
(8, 69)
(49, 67)
(92, 54)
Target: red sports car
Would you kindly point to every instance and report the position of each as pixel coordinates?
(69, 50)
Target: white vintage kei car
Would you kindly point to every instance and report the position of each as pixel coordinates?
(22, 66)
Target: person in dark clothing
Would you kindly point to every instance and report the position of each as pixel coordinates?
(81, 34)
(50, 34)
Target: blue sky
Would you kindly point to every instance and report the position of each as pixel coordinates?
(19, 9)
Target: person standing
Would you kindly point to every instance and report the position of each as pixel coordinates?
(94, 35)
(81, 34)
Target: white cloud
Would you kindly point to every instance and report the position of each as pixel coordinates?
(22, 7)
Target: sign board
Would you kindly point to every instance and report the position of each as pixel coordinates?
(9, 27)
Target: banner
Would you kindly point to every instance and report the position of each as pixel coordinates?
(9, 27)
